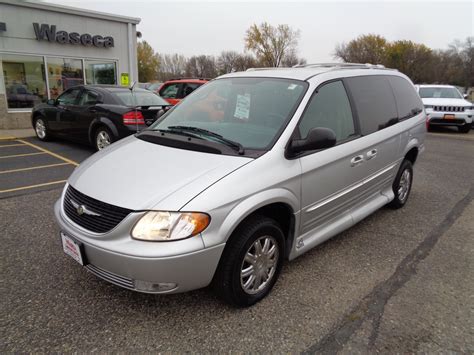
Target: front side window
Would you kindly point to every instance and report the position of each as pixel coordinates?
(24, 79)
(100, 72)
(170, 91)
(190, 87)
(63, 74)
(249, 111)
(329, 108)
(69, 97)
(440, 93)
(374, 102)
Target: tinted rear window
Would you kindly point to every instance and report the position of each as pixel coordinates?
(374, 102)
(408, 101)
(139, 98)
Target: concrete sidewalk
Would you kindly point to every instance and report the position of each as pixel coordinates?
(17, 133)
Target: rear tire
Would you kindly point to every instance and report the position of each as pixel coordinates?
(251, 262)
(465, 129)
(103, 137)
(41, 129)
(402, 185)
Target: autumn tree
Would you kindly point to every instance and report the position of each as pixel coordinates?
(271, 44)
(369, 48)
(148, 62)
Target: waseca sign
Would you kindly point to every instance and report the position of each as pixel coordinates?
(49, 33)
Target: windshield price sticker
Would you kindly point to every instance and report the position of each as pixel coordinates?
(242, 107)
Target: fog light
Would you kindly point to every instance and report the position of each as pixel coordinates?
(147, 286)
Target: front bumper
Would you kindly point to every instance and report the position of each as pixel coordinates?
(144, 266)
(438, 118)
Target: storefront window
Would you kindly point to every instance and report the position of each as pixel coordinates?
(24, 78)
(63, 73)
(100, 72)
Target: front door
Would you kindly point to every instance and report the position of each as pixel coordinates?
(65, 111)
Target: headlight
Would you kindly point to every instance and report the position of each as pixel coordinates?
(167, 226)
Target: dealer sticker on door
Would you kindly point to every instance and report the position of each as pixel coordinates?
(72, 248)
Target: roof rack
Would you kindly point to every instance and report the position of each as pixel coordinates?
(341, 65)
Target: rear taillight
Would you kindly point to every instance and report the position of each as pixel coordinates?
(133, 118)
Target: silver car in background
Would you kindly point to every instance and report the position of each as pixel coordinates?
(253, 169)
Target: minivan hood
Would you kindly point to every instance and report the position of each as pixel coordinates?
(139, 175)
(445, 102)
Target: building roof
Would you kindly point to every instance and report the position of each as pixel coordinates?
(71, 10)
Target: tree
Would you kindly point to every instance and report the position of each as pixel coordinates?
(291, 59)
(202, 66)
(172, 66)
(271, 44)
(413, 59)
(244, 62)
(148, 62)
(226, 62)
(369, 48)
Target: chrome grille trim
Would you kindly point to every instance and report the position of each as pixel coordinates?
(110, 277)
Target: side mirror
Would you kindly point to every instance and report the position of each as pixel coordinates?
(318, 138)
(465, 96)
(51, 102)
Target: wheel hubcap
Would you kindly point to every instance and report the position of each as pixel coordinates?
(103, 140)
(404, 186)
(259, 265)
(40, 129)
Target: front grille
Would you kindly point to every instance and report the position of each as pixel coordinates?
(109, 217)
(110, 277)
(449, 108)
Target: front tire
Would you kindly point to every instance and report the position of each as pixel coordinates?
(402, 185)
(465, 129)
(251, 262)
(41, 129)
(103, 137)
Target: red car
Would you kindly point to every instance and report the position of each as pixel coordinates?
(175, 90)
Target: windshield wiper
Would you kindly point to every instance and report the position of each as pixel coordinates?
(236, 145)
(173, 131)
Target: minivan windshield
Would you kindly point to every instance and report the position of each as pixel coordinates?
(440, 93)
(249, 112)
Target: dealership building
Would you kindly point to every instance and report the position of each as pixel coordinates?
(47, 48)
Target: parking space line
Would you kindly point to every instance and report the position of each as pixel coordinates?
(7, 138)
(21, 155)
(49, 152)
(34, 167)
(33, 186)
(10, 145)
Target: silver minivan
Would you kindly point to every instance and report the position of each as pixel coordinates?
(252, 169)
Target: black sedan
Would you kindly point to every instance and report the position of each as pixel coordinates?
(97, 114)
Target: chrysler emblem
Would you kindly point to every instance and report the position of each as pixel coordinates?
(82, 209)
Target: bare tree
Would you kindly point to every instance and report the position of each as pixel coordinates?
(202, 66)
(226, 61)
(172, 66)
(271, 44)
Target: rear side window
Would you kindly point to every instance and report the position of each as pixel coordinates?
(190, 87)
(408, 102)
(374, 102)
(329, 108)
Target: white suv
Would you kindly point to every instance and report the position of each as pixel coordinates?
(445, 106)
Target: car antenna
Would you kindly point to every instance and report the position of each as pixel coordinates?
(134, 101)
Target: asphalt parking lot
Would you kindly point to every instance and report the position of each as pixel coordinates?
(400, 281)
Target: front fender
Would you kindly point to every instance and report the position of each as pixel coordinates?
(226, 221)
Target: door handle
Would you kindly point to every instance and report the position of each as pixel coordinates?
(93, 109)
(371, 154)
(359, 159)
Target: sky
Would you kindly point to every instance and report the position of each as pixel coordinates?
(203, 27)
